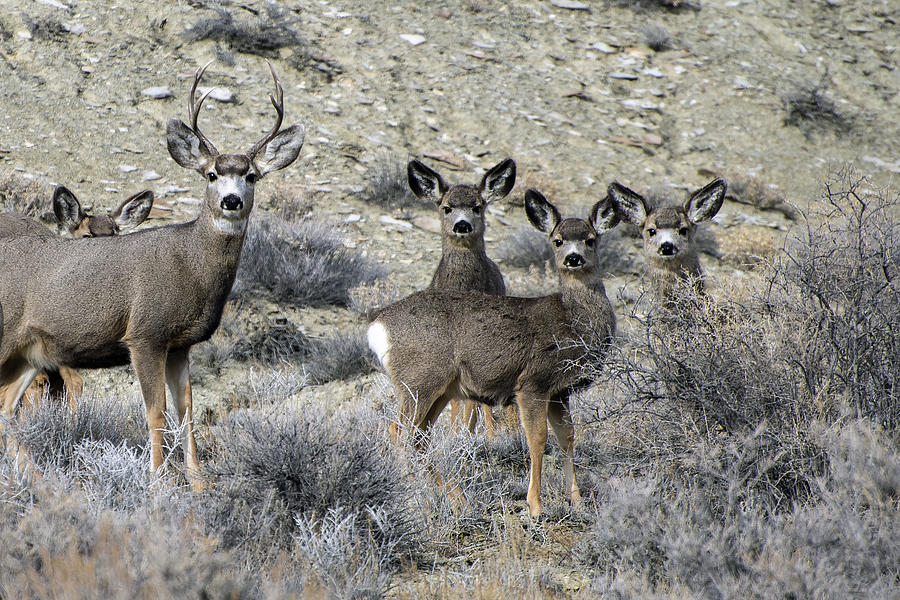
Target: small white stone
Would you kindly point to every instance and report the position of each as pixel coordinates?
(604, 48)
(386, 220)
(413, 38)
(157, 93)
(151, 176)
(219, 94)
(570, 5)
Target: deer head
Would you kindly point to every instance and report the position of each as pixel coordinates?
(231, 178)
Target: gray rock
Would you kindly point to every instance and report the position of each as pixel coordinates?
(570, 5)
(219, 94)
(413, 38)
(157, 93)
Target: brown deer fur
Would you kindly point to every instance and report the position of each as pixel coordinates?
(438, 345)
(145, 297)
(668, 232)
(464, 263)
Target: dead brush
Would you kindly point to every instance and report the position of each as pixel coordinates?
(838, 278)
(703, 372)
(23, 194)
(303, 263)
(338, 357)
(657, 37)
(263, 36)
(367, 298)
(386, 187)
(808, 107)
(276, 465)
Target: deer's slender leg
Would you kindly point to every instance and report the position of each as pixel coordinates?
(35, 390)
(470, 415)
(533, 414)
(454, 492)
(454, 414)
(178, 378)
(15, 377)
(490, 424)
(150, 365)
(561, 420)
(73, 384)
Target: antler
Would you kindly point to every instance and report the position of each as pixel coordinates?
(278, 103)
(194, 111)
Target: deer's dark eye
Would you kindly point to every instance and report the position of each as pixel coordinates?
(447, 210)
(589, 242)
(211, 176)
(683, 232)
(251, 178)
(557, 243)
(477, 210)
(651, 232)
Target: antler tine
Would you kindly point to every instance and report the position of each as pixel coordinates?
(194, 110)
(278, 103)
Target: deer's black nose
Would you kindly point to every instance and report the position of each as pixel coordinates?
(232, 202)
(573, 260)
(667, 249)
(462, 227)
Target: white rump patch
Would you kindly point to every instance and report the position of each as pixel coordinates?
(377, 336)
(230, 227)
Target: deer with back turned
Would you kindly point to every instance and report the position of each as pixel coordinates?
(144, 298)
(436, 346)
(73, 221)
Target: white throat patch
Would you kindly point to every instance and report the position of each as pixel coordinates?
(229, 226)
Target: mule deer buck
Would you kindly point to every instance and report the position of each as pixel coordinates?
(668, 232)
(464, 263)
(145, 297)
(498, 349)
(74, 222)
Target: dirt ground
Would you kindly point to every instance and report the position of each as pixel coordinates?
(776, 93)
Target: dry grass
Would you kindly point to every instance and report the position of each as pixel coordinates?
(721, 454)
(809, 107)
(23, 194)
(302, 263)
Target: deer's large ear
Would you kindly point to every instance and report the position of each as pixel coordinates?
(706, 202)
(282, 150)
(630, 205)
(604, 215)
(134, 210)
(425, 182)
(185, 147)
(542, 214)
(498, 181)
(67, 209)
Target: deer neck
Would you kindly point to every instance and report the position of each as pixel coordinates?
(668, 274)
(583, 295)
(464, 267)
(218, 249)
(463, 253)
